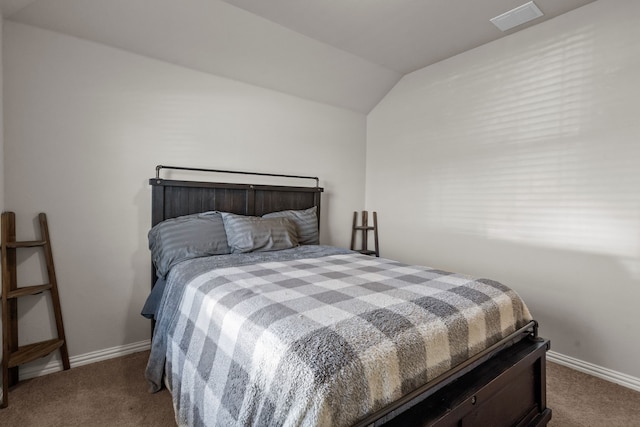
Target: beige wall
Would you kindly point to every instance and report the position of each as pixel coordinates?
(85, 127)
(519, 161)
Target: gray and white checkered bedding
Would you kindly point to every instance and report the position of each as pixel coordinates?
(325, 340)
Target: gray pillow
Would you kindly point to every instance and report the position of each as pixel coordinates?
(306, 223)
(185, 237)
(255, 234)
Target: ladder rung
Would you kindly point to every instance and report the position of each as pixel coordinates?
(26, 244)
(28, 290)
(16, 355)
(33, 351)
(364, 228)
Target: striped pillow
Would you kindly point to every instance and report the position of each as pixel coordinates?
(306, 223)
(186, 237)
(255, 234)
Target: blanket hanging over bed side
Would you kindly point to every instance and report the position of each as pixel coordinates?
(323, 340)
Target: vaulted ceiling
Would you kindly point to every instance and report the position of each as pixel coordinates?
(347, 53)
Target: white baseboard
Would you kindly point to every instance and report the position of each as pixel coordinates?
(597, 371)
(109, 353)
(85, 359)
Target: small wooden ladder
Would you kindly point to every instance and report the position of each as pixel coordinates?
(365, 228)
(14, 355)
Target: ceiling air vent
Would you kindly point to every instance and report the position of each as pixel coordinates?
(518, 16)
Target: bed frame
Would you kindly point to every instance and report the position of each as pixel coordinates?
(504, 385)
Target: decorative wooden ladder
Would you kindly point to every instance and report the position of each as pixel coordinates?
(365, 228)
(14, 355)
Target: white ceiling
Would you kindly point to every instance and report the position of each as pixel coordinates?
(347, 53)
(9, 7)
(401, 35)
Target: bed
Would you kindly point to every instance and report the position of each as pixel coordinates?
(304, 334)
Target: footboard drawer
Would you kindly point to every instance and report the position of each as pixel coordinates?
(507, 390)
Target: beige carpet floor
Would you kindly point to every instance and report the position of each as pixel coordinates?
(109, 393)
(581, 400)
(114, 393)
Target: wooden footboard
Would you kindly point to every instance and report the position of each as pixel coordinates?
(507, 390)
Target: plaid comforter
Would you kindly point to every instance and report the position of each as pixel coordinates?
(326, 340)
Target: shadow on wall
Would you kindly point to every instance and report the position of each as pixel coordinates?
(140, 262)
(578, 298)
(519, 161)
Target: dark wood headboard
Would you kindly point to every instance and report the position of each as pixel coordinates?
(171, 198)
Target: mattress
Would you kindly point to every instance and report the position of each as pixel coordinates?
(315, 335)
